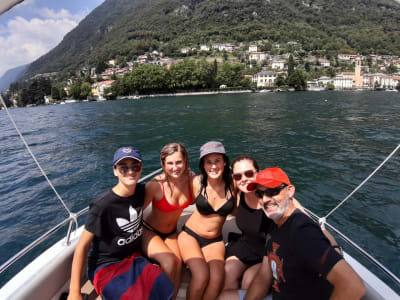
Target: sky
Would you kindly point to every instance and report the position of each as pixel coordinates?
(34, 27)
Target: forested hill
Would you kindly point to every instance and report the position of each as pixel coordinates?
(129, 28)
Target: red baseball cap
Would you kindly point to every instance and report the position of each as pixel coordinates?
(271, 178)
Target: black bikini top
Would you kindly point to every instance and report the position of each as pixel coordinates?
(205, 208)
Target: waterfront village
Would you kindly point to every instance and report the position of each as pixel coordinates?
(362, 72)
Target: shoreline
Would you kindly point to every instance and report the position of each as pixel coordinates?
(137, 97)
(182, 94)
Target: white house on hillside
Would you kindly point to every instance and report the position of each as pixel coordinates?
(342, 83)
(204, 48)
(265, 78)
(98, 88)
(258, 56)
(278, 64)
(252, 48)
(224, 47)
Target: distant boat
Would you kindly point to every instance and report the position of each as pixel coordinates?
(315, 89)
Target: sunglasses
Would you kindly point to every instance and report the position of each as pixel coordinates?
(125, 169)
(248, 174)
(270, 192)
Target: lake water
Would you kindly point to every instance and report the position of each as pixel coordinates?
(327, 142)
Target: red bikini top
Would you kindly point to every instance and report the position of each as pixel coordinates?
(167, 207)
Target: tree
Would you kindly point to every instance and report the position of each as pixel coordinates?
(290, 65)
(55, 93)
(76, 89)
(330, 86)
(307, 66)
(280, 80)
(86, 90)
(232, 75)
(297, 80)
(391, 69)
(101, 66)
(331, 72)
(148, 79)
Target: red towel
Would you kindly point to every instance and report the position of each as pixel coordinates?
(132, 278)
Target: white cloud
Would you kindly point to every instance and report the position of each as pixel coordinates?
(22, 40)
(48, 13)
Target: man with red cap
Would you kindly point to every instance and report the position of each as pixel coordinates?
(300, 262)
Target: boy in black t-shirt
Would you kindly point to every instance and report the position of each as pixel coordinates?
(113, 236)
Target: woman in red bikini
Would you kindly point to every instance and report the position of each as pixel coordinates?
(170, 192)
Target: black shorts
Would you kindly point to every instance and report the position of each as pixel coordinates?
(201, 240)
(248, 253)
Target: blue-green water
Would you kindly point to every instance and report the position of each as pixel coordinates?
(328, 142)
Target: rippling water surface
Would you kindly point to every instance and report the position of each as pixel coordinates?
(328, 142)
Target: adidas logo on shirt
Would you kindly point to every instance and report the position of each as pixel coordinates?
(131, 225)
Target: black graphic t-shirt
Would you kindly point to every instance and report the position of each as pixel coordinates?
(116, 223)
(300, 257)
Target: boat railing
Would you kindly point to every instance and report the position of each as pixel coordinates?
(360, 250)
(71, 220)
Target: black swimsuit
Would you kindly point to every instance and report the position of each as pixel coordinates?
(249, 246)
(204, 208)
(162, 235)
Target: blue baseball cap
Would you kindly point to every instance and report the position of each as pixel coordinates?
(125, 152)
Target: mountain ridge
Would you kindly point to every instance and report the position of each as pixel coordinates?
(130, 28)
(12, 75)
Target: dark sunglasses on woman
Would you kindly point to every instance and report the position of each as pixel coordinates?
(248, 174)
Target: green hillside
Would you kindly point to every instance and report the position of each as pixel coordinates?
(129, 28)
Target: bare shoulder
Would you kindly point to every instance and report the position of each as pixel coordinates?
(196, 182)
(153, 186)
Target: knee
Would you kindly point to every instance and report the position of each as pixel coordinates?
(249, 276)
(171, 264)
(231, 271)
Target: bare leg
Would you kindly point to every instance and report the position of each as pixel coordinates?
(249, 275)
(234, 269)
(166, 254)
(193, 258)
(214, 254)
(172, 243)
